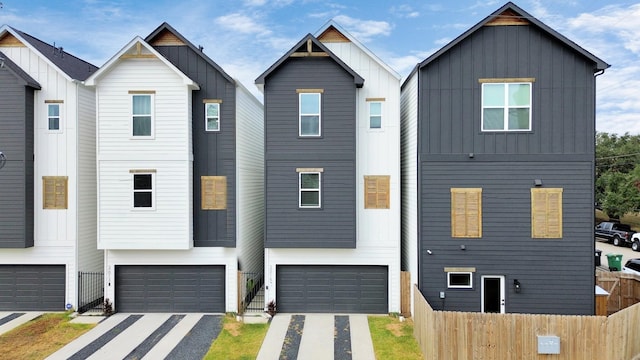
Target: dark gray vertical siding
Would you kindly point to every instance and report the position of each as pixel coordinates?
(16, 178)
(559, 150)
(214, 152)
(332, 226)
(553, 272)
(563, 94)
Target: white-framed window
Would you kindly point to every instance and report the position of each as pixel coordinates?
(53, 117)
(460, 280)
(309, 189)
(142, 115)
(212, 116)
(375, 114)
(506, 106)
(143, 189)
(309, 113)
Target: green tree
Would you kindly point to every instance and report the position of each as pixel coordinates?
(618, 173)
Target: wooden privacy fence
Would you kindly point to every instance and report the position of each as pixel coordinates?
(623, 289)
(466, 335)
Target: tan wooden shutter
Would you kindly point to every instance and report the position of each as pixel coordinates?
(466, 212)
(214, 192)
(55, 192)
(377, 191)
(546, 213)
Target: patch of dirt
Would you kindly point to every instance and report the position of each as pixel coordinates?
(395, 328)
(233, 328)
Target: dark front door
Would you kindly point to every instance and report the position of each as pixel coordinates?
(493, 294)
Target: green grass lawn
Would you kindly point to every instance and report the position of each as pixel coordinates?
(237, 341)
(393, 339)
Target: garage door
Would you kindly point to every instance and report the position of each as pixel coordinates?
(32, 287)
(332, 289)
(167, 288)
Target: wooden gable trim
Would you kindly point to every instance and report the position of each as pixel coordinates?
(167, 38)
(508, 17)
(332, 35)
(309, 52)
(10, 41)
(138, 54)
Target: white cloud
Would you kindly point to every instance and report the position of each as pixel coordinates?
(405, 11)
(364, 30)
(242, 24)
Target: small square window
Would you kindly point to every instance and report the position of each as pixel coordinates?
(459, 280)
(506, 106)
(212, 111)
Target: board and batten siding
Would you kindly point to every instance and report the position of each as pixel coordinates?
(16, 177)
(409, 165)
(214, 152)
(250, 181)
(168, 226)
(563, 101)
(553, 272)
(194, 256)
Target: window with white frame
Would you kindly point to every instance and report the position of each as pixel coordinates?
(309, 113)
(309, 189)
(375, 115)
(142, 115)
(459, 280)
(53, 117)
(506, 106)
(143, 190)
(212, 114)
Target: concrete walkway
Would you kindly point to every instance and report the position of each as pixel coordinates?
(318, 336)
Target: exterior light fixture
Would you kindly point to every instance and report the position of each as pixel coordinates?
(3, 160)
(517, 287)
(537, 182)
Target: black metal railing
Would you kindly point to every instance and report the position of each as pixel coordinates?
(90, 290)
(251, 292)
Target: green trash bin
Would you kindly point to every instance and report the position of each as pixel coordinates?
(615, 262)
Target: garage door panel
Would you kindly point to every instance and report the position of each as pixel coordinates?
(332, 288)
(170, 288)
(32, 287)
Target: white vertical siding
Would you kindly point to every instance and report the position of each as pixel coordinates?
(169, 225)
(250, 180)
(409, 135)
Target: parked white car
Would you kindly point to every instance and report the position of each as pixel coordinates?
(635, 242)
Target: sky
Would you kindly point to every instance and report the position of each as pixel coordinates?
(245, 37)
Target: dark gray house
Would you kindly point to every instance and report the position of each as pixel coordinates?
(498, 170)
(332, 188)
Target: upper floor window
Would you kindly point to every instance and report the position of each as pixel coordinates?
(375, 113)
(309, 112)
(142, 114)
(309, 188)
(53, 116)
(506, 106)
(143, 189)
(212, 116)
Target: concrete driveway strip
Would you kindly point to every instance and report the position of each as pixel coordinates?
(130, 337)
(361, 343)
(272, 344)
(173, 337)
(317, 337)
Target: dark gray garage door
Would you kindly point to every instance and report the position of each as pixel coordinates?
(32, 287)
(332, 289)
(167, 288)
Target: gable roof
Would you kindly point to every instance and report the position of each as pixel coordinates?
(165, 34)
(511, 14)
(310, 46)
(332, 32)
(138, 48)
(71, 66)
(25, 79)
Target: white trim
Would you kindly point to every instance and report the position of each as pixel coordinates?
(318, 190)
(206, 116)
(506, 107)
(319, 114)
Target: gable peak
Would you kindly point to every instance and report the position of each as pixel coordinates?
(508, 17)
(166, 38)
(8, 40)
(332, 35)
